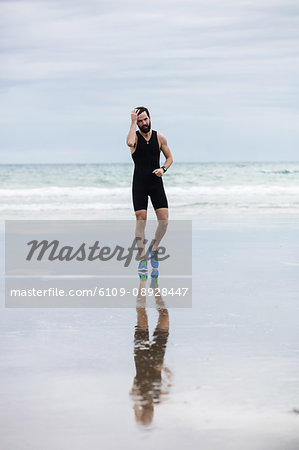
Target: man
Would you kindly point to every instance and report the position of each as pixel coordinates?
(146, 146)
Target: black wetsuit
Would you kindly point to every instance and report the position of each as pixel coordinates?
(145, 183)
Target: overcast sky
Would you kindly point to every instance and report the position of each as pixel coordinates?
(220, 78)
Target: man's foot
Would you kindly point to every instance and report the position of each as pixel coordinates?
(142, 275)
(155, 273)
(154, 257)
(154, 279)
(142, 265)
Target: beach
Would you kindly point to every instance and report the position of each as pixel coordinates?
(230, 369)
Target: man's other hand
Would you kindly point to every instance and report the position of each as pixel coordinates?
(159, 172)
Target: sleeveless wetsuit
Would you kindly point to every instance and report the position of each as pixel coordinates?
(145, 183)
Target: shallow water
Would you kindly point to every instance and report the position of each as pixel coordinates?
(197, 188)
(230, 376)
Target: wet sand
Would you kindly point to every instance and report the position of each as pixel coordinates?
(229, 378)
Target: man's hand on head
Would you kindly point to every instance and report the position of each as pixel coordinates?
(134, 115)
(159, 172)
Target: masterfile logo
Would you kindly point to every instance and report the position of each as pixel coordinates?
(59, 263)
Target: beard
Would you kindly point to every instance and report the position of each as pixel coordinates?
(145, 128)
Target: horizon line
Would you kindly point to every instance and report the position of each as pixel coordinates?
(129, 163)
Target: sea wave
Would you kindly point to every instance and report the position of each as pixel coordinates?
(282, 172)
(198, 197)
(83, 191)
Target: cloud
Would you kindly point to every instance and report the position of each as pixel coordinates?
(80, 63)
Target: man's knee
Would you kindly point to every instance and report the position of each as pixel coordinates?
(141, 214)
(162, 215)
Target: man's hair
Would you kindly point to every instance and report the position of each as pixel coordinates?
(142, 109)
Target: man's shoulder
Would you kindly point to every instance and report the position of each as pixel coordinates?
(161, 137)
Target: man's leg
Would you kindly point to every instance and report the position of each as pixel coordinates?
(160, 204)
(141, 216)
(162, 216)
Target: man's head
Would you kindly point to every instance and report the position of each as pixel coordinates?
(143, 119)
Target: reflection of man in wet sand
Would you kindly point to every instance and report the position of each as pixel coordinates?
(149, 357)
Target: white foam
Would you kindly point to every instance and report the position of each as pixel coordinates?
(199, 197)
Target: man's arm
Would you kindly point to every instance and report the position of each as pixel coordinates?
(167, 153)
(131, 138)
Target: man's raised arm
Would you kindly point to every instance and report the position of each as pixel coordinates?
(131, 138)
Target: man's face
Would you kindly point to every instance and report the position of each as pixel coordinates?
(144, 122)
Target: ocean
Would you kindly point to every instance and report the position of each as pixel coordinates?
(193, 188)
(229, 377)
